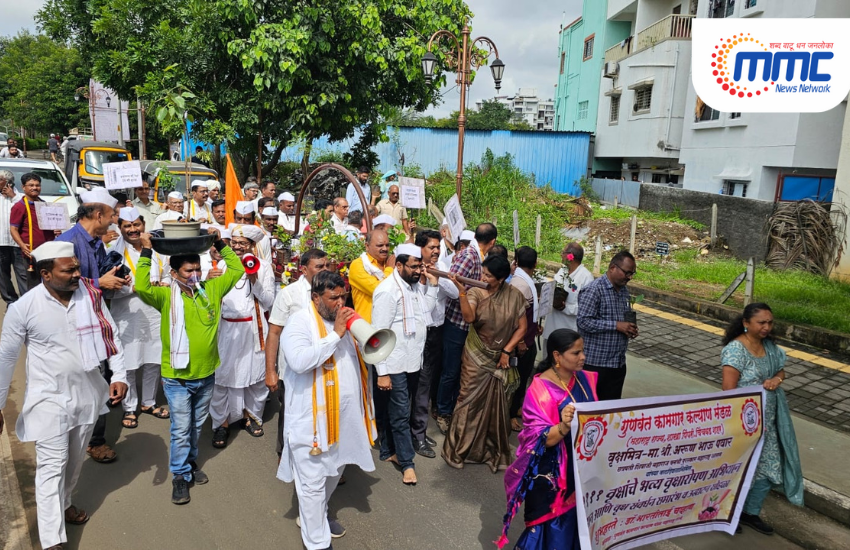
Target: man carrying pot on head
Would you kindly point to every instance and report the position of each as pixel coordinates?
(190, 312)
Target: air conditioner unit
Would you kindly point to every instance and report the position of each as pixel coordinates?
(612, 68)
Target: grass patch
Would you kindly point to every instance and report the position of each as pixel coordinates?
(625, 214)
(795, 296)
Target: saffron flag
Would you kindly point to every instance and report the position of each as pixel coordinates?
(232, 191)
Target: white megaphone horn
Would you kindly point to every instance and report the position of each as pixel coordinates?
(377, 344)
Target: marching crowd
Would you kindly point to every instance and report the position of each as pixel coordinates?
(106, 319)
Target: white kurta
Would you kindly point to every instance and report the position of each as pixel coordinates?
(168, 215)
(199, 213)
(289, 300)
(60, 393)
(241, 365)
(388, 312)
(138, 323)
(305, 352)
(264, 249)
(567, 318)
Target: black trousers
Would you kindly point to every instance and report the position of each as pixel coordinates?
(12, 259)
(525, 366)
(610, 383)
(429, 378)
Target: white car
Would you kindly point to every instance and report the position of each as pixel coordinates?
(54, 186)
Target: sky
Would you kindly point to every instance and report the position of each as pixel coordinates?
(524, 31)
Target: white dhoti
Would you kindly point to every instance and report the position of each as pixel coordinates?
(150, 373)
(228, 404)
(58, 462)
(240, 380)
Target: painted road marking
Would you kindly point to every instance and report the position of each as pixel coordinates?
(797, 354)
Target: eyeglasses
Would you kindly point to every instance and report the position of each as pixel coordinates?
(626, 273)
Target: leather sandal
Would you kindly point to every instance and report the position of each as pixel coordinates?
(75, 516)
(102, 453)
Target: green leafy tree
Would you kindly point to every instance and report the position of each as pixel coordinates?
(286, 70)
(38, 78)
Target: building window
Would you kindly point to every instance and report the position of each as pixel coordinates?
(718, 9)
(659, 178)
(614, 115)
(708, 114)
(582, 110)
(643, 99)
(588, 47)
(734, 116)
(750, 4)
(563, 58)
(735, 188)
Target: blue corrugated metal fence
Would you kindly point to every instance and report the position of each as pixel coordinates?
(556, 158)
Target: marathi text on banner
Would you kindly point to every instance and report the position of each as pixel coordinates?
(655, 468)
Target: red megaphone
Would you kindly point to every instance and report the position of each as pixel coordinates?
(251, 263)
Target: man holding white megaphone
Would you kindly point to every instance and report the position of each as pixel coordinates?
(329, 419)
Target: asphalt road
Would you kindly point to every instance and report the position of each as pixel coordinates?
(245, 506)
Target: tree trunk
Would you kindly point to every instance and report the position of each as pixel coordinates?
(305, 159)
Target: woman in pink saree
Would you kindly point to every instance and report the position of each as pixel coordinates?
(542, 475)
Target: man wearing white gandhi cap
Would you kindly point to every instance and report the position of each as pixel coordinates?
(400, 303)
(245, 214)
(138, 323)
(286, 218)
(239, 394)
(173, 212)
(69, 333)
(197, 208)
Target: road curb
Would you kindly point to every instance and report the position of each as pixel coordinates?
(14, 530)
(825, 501)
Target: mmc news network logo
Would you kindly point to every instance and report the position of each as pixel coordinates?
(771, 65)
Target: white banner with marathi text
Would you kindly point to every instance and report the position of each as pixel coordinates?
(650, 469)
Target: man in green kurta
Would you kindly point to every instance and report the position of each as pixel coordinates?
(191, 311)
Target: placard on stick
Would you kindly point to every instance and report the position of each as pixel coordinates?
(412, 192)
(122, 175)
(52, 216)
(454, 215)
(547, 298)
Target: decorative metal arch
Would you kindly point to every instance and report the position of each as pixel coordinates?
(348, 175)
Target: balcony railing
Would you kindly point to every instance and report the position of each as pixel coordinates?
(676, 27)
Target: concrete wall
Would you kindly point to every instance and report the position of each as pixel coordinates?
(739, 221)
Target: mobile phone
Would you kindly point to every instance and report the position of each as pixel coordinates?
(513, 361)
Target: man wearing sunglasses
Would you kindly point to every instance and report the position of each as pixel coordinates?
(606, 322)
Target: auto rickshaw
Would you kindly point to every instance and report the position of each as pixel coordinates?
(152, 170)
(85, 159)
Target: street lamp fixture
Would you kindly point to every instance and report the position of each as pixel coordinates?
(463, 56)
(108, 100)
(497, 67)
(429, 61)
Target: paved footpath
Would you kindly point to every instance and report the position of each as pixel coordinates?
(818, 383)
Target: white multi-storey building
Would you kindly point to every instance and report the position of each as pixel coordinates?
(652, 127)
(527, 107)
(767, 156)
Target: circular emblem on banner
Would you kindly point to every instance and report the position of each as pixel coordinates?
(750, 417)
(591, 437)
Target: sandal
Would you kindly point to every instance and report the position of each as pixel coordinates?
(102, 453)
(516, 425)
(157, 411)
(128, 422)
(75, 516)
(220, 436)
(253, 427)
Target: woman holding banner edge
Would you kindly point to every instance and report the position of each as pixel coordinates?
(542, 475)
(751, 358)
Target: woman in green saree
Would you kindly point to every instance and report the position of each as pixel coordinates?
(480, 428)
(751, 358)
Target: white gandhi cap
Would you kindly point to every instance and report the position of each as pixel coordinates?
(52, 250)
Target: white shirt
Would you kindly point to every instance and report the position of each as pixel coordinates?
(60, 394)
(168, 215)
(567, 318)
(340, 226)
(5, 154)
(388, 312)
(197, 212)
(5, 211)
(447, 291)
(306, 352)
(290, 300)
(288, 222)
